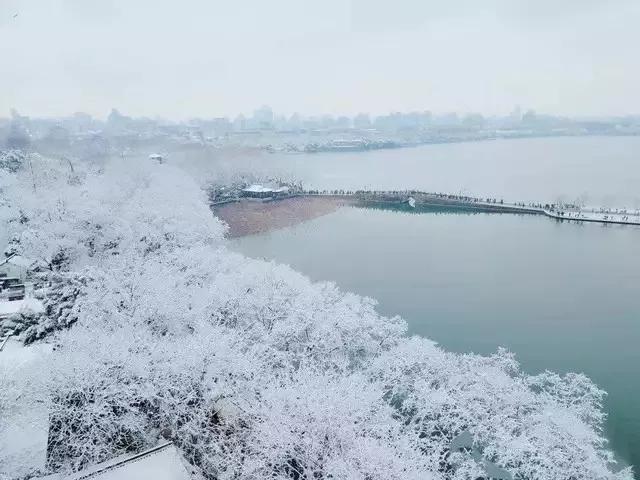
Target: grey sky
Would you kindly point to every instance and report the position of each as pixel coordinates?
(210, 58)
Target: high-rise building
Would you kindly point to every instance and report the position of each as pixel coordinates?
(263, 117)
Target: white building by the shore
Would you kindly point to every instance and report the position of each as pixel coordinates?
(261, 191)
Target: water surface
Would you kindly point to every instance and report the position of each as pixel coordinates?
(602, 171)
(562, 296)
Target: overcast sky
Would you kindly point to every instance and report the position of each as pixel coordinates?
(210, 58)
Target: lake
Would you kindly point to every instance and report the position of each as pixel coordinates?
(562, 296)
(603, 171)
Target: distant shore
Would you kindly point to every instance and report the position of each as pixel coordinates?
(251, 217)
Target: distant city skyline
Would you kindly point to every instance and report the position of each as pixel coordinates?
(294, 132)
(211, 58)
(274, 116)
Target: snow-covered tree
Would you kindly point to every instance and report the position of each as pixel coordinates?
(249, 367)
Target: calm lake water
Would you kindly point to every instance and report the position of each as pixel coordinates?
(562, 296)
(603, 171)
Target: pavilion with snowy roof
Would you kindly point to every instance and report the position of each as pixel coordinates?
(261, 191)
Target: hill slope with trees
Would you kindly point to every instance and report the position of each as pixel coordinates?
(253, 371)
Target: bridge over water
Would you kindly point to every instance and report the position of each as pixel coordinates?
(412, 199)
(417, 199)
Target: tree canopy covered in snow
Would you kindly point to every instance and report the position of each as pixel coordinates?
(252, 370)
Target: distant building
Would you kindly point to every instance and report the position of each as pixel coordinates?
(362, 121)
(263, 117)
(221, 126)
(240, 123)
(295, 122)
(473, 120)
(447, 120)
(516, 115)
(343, 122)
(118, 123)
(156, 157)
(80, 122)
(58, 134)
(346, 145)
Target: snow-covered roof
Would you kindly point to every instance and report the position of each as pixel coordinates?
(258, 189)
(17, 260)
(27, 304)
(155, 156)
(262, 189)
(159, 463)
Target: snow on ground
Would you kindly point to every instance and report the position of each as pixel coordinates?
(16, 306)
(15, 354)
(24, 431)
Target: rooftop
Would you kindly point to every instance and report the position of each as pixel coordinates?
(17, 260)
(256, 188)
(159, 463)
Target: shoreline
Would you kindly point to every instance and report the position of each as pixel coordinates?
(251, 217)
(245, 217)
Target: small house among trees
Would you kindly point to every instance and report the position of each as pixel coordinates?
(15, 266)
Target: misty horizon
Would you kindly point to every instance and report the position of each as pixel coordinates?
(210, 59)
(460, 115)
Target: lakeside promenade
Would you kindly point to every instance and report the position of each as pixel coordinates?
(415, 200)
(559, 212)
